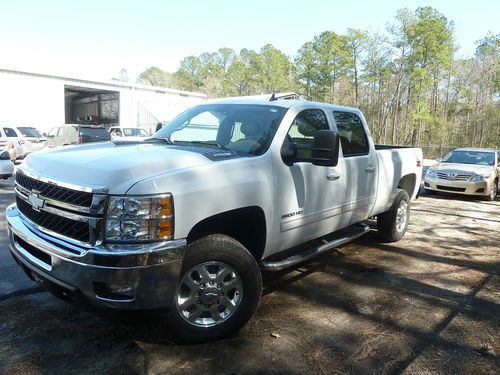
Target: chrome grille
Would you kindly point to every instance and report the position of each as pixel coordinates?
(61, 194)
(72, 214)
(77, 230)
(450, 176)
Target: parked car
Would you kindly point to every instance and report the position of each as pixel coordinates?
(75, 134)
(188, 219)
(129, 134)
(14, 141)
(471, 171)
(6, 165)
(36, 141)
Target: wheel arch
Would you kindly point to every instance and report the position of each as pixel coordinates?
(407, 183)
(247, 225)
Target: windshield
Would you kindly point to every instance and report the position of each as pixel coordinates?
(244, 128)
(470, 157)
(30, 132)
(135, 132)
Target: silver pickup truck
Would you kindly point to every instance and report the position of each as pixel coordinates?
(188, 219)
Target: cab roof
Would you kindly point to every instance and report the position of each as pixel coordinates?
(285, 103)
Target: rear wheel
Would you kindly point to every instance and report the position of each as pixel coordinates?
(218, 290)
(393, 223)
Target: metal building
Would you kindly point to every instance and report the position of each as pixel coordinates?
(45, 101)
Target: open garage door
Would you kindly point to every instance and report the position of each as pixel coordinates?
(91, 106)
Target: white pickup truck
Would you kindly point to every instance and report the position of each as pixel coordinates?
(188, 219)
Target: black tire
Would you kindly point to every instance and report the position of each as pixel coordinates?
(389, 222)
(494, 191)
(215, 249)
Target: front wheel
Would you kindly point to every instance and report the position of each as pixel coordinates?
(494, 191)
(218, 290)
(393, 223)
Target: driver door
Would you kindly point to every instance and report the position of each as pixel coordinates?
(308, 197)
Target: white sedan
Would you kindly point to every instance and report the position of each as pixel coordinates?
(6, 165)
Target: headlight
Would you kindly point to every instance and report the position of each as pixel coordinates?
(480, 177)
(140, 218)
(430, 173)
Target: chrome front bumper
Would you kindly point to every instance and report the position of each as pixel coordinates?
(147, 273)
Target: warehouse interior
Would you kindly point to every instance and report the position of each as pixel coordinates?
(85, 105)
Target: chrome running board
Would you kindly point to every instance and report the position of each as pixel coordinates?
(354, 232)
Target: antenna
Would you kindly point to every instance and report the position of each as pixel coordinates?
(273, 97)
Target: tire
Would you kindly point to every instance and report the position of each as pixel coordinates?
(208, 305)
(393, 223)
(494, 191)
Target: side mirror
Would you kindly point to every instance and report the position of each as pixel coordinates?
(323, 152)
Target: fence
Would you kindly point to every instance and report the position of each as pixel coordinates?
(434, 152)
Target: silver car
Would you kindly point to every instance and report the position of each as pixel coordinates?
(470, 171)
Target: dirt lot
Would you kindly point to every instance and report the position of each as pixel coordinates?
(428, 304)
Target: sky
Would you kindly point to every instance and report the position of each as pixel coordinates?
(96, 38)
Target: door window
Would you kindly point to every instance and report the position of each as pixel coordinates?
(9, 132)
(53, 132)
(352, 134)
(303, 128)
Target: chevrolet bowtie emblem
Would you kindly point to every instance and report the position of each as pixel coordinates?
(36, 202)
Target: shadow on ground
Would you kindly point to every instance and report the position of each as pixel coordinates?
(428, 304)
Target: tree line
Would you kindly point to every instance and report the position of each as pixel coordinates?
(408, 82)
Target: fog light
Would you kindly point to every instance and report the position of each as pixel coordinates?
(112, 291)
(124, 289)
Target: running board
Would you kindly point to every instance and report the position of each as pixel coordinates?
(357, 231)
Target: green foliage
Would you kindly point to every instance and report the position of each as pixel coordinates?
(408, 83)
(156, 77)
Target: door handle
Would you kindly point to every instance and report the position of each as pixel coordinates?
(370, 168)
(332, 175)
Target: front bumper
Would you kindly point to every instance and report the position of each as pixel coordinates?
(148, 273)
(480, 188)
(6, 168)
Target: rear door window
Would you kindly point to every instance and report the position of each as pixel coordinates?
(352, 134)
(89, 134)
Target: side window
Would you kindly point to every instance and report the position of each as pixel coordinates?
(303, 128)
(9, 132)
(52, 132)
(352, 134)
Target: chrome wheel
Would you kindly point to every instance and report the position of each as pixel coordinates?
(402, 216)
(209, 294)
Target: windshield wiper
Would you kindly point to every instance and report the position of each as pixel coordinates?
(203, 143)
(165, 139)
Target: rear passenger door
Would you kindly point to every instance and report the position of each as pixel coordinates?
(359, 164)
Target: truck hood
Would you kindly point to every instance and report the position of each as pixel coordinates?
(115, 166)
(456, 167)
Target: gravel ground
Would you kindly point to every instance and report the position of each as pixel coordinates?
(427, 304)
